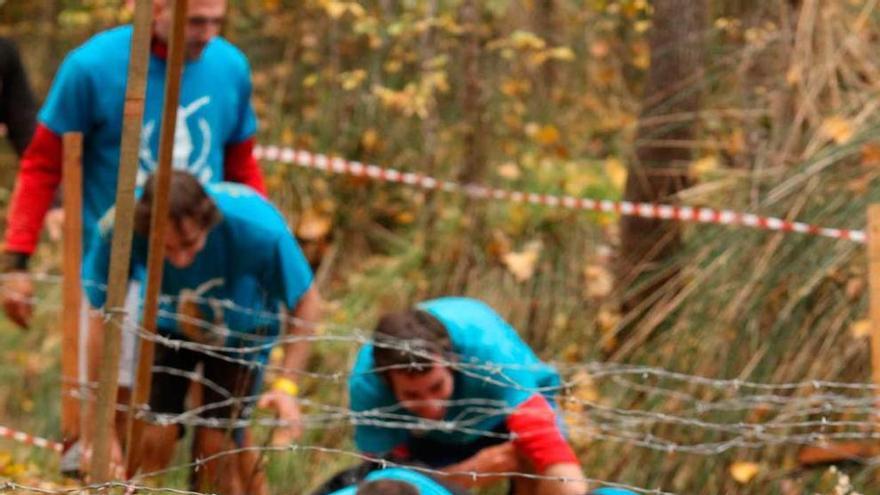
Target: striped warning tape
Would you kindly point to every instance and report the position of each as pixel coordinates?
(31, 440)
(337, 165)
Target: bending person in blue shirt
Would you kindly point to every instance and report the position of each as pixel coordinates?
(229, 244)
(451, 385)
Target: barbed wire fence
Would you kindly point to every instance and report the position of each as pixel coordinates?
(791, 414)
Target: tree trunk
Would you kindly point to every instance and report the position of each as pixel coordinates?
(548, 27)
(660, 170)
(472, 95)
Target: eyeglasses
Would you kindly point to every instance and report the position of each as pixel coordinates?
(201, 21)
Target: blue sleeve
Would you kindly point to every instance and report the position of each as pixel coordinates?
(95, 267)
(351, 490)
(246, 120)
(69, 105)
(425, 484)
(294, 276)
(369, 438)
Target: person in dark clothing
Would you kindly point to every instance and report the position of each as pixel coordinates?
(17, 106)
(18, 111)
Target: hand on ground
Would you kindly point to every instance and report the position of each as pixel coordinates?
(287, 410)
(502, 458)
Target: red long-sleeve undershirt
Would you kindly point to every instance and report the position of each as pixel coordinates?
(537, 436)
(40, 174)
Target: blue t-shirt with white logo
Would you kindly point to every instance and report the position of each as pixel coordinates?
(250, 261)
(423, 483)
(88, 96)
(496, 370)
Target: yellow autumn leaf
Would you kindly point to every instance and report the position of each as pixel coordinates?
(405, 218)
(599, 280)
(509, 171)
(616, 172)
(600, 49)
(562, 53)
(607, 320)
(838, 129)
(525, 40)
(871, 154)
(371, 141)
(522, 263)
(288, 138)
(743, 472)
(702, 166)
(352, 79)
(310, 80)
(641, 55)
(313, 225)
(793, 75)
(860, 329)
(515, 87)
(393, 66)
(548, 135)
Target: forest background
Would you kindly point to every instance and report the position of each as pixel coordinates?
(761, 106)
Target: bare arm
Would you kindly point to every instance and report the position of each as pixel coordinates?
(301, 324)
(281, 395)
(567, 471)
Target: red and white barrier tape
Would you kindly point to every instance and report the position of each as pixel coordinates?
(336, 165)
(31, 440)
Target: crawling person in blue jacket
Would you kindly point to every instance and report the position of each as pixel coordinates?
(400, 481)
(450, 385)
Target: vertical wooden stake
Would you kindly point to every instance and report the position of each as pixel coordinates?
(120, 254)
(874, 286)
(71, 263)
(158, 223)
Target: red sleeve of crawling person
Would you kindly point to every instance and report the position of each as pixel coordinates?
(537, 436)
(40, 175)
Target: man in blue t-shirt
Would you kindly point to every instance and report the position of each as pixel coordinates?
(233, 246)
(451, 385)
(214, 136)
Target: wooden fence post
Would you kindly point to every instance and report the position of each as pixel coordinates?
(874, 287)
(158, 223)
(71, 263)
(117, 283)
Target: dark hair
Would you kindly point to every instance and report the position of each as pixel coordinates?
(186, 199)
(410, 338)
(387, 487)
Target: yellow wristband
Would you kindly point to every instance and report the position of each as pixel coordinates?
(286, 385)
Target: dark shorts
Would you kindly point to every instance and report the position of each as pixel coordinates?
(436, 454)
(228, 389)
